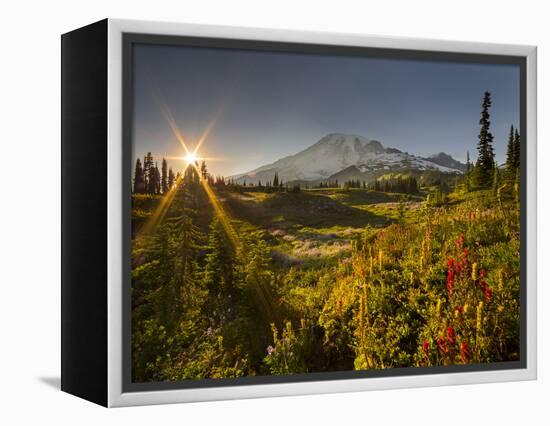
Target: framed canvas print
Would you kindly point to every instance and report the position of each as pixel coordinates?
(250, 213)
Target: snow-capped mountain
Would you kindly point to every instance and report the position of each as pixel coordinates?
(336, 153)
(446, 160)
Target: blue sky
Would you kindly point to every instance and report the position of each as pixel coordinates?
(268, 105)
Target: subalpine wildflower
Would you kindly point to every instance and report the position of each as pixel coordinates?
(450, 276)
(442, 345)
(488, 294)
(365, 297)
(438, 308)
(288, 332)
(459, 310)
(275, 332)
(411, 278)
(460, 242)
(371, 267)
(500, 281)
(479, 317)
(361, 313)
(426, 347)
(465, 352)
(474, 271)
(380, 257)
(450, 335)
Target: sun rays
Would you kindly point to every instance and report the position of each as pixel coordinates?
(222, 215)
(191, 158)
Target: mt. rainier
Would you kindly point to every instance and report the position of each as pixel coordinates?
(338, 156)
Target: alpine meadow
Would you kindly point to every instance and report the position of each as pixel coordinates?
(272, 236)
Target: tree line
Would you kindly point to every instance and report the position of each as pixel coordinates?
(148, 179)
(485, 172)
(406, 185)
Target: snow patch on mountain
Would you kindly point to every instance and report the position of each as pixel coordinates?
(336, 152)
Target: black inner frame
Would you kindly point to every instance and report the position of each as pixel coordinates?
(131, 39)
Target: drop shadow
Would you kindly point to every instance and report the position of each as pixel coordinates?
(53, 382)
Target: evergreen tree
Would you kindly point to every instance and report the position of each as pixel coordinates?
(164, 177)
(148, 173)
(171, 178)
(156, 180)
(468, 173)
(258, 276)
(517, 150)
(204, 171)
(276, 180)
(138, 178)
(219, 270)
(486, 156)
(511, 154)
(190, 177)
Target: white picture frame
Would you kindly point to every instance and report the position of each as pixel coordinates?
(116, 395)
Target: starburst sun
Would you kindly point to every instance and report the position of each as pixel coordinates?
(191, 158)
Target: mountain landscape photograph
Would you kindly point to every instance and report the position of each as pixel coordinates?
(297, 213)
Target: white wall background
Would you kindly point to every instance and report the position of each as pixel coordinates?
(30, 210)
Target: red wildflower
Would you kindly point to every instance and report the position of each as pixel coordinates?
(442, 346)
(483, 285)
(488, 294)
(465, 352)
(460, 241)
(459, 309)
(451, 335)
(426, 346)
(450, 276)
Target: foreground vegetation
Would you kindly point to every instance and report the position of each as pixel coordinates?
(260, 289)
